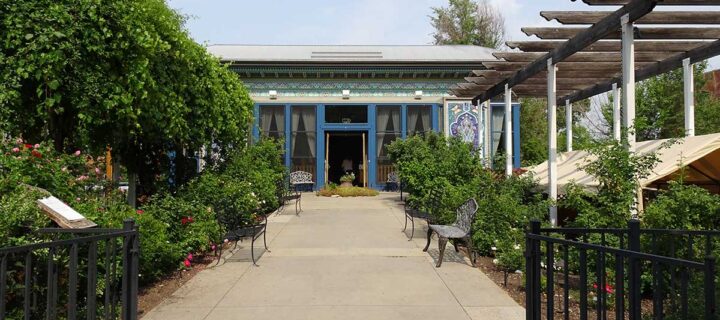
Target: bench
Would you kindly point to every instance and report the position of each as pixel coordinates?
(238, 229)
(285, 194)
(425, 212)
(393, 182)
(301, 180)
(461, 229)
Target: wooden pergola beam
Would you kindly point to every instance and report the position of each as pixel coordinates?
(608, 46)
(536, 80)
(633, 11)
(525, 86)
(567, 66)
(657, 17)
(542, 74)
(696, 55)
(661, 2)
(649, 56)
(651, 33)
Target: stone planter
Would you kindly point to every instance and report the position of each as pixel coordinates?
(346, 184)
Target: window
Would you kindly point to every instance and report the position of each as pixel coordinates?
(272, 121)
(388, 129)
(304, 137)
(418, 119)
(346, 114)
(497, 122)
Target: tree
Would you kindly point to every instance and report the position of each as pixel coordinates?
(660, 111)
(118, 73)
(468, 22)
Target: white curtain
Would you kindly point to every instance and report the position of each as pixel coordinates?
(425, 118)
(396, 119)
(383, 119)
(296, 112)
(498, 117)
(412, 116)
(266, 114)
(308, 116)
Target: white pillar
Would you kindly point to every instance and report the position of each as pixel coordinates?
(552, 138)
(628, 76)
(689, 94)
(487, 133)
(568, 124)
(616, 112)
(508, 132)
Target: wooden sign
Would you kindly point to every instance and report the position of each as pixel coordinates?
(64, 215)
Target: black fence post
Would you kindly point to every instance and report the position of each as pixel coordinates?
(634, 282)
(528, 274)
(532, 273)
(709, 287)
(130, 271)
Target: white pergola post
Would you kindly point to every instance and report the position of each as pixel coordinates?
(628, 76)
(552, 138)
(616, 112)
(569, 124)
(487, 133)
(508, 132)
(689, 94)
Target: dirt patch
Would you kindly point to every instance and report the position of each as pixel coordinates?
(151, 296)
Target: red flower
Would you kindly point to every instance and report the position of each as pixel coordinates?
(608, 288)
(138, 211)
(184, 220)
(189, 257)
(28, 146)
(187, 263)
(36, 154)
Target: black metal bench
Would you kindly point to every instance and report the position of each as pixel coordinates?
(238, 229)
(427, 212)
(285, 194)
(461, 229)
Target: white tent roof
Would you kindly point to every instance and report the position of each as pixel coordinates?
(701, 155)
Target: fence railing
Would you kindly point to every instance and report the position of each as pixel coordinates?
(79, 273)
(648, 279)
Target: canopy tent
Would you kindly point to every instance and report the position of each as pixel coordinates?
(699, 154)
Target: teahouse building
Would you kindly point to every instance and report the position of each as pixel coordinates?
(335, 105)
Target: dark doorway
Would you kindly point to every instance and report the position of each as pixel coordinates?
(345, 146)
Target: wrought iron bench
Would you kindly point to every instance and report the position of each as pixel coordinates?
(393, 182)
(285, 194)
(238, 229)
(299, 179)
(426, 212)
(461, 229)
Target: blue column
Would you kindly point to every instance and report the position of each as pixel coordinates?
(516, 135)
(372, 147)
(256, 122)
(320, 147)
(288, 135)
(403, 121)
(434, 117)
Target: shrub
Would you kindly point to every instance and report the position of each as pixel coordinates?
(348, 192)
(683, 207)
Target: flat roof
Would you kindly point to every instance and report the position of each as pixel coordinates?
(352, 53)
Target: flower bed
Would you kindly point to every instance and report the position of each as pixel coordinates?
(347, 192)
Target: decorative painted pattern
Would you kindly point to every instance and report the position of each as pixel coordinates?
(391, 88)
(466, 122)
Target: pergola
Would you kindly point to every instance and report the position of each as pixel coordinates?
(620, 47)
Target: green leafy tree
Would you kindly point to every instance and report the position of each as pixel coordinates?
(123, 74)
(468, 22)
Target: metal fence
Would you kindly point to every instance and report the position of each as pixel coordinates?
(657, 273)
(78, 273)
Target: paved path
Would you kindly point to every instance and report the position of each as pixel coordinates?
(342, 258)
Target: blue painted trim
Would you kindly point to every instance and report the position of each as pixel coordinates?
(434, 117)
(320, 149)
(371, 146)
(403, 121)
(288, 135)
(256, 123)
(516, 134)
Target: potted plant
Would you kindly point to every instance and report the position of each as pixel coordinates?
(347, 180)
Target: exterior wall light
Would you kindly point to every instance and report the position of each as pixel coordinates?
(418, 94)
(273, 94)
(346, 94)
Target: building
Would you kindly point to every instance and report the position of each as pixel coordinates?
(336, 105)
(713, 83)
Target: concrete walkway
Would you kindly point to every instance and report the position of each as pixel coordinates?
(342, 258)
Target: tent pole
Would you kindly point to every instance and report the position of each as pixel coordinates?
(689, 93)
(552, 139)
(568, 125)
(616, 112)
(508, 131)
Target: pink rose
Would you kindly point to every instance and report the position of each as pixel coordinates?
(77, 199)
(37, 145)
(82, 178)
(77, 153)
(213, 247)
(187, 263)
(16, 150)
(19, 141)
(97, 170)
(190, 256)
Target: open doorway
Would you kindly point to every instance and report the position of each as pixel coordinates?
(345, 153)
